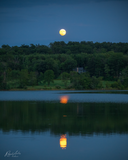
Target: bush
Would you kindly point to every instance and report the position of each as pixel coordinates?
(69, 86)
(5, 86)
(58, 87)
(96, 82)
(78, 87)
(8, 87)
(25, 87)
(114, 85)
(117, 85)
(45, 88)
(125, 82)
(108, 85)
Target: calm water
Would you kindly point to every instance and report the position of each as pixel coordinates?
(44, 125)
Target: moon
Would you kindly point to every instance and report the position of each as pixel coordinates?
(62, 32)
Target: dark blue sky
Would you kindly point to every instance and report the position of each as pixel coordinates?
(39, 21)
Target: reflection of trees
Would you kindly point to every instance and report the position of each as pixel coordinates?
(84, 118)
(79, 109)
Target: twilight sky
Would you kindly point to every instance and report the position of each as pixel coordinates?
(39, 21)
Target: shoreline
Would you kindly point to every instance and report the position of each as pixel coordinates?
(103, 89)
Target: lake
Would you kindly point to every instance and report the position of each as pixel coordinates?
(56, 125)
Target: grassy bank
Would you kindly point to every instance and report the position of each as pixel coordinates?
(59, 85)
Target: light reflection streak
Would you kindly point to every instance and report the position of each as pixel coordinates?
(63, 141)
(64, 99)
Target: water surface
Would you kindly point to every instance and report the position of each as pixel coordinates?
(89, 126)
(77, 96)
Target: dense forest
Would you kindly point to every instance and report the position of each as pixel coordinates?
(31, 64)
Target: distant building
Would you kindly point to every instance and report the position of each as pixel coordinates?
(79, 70)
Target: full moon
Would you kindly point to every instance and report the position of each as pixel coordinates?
(62, 32)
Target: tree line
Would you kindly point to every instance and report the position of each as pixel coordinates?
(101, 61)
(61, 47)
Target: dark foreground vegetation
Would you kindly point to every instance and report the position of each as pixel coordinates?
(40, 65)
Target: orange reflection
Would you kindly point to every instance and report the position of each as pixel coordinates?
(63, 141)
(64, 99)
